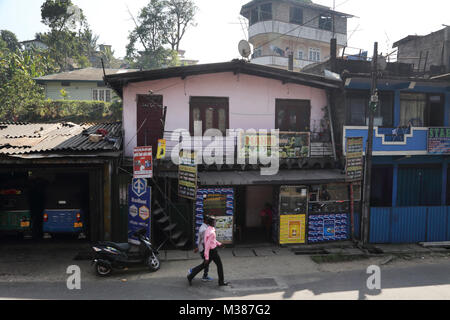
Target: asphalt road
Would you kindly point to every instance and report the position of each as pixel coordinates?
(417, 281)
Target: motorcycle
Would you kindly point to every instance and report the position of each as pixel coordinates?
(110, 255)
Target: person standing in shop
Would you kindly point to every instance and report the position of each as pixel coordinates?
(210, 254)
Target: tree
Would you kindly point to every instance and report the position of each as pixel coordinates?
(69, 33)
(9, 40)
(161, 23)
(20, 96)
(181, 16)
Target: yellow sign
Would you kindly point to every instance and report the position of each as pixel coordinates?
(161, 154)
(292, 229)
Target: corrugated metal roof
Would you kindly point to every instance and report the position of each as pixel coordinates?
(25, 138)
(87, 74)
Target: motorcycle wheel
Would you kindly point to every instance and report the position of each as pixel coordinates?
(153, 263)
(103, 271)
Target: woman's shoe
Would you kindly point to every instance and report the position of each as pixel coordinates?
(224, 284)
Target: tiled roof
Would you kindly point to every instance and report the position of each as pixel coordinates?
(27, 138)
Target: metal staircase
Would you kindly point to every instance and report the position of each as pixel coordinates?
(168, 227)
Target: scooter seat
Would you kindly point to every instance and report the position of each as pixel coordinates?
(124, 247)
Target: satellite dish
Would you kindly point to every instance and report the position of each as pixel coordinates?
(244, 48)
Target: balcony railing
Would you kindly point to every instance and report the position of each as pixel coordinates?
(320, 146)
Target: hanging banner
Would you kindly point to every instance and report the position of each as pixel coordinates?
(139, 208)
(219, 203)
(143, 162)
(329, 227)
(292, 145)
(187, 175)
(161, 154)
(354, 160)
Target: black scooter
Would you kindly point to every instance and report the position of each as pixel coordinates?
(109, 255)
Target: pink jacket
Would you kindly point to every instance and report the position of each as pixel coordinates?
(210, 241)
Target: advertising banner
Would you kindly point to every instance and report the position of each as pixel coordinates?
(292, 229)
(187, 175)
(143, 162)
(354, 160)
(139, 208)
(328, 227)
(219, 203)
(292, 145)
(161, 154)
(439, 140)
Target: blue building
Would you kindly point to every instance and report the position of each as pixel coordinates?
(410, 191)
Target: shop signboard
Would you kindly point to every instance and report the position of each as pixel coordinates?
(143, 162)
(292, 145)
(187, 175)
(139, 208)
(439, 140)
(354, 159)
(293, 211)
(218, 203)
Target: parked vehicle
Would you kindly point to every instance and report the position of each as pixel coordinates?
(15, 221)
(63, 221)
(110, 255)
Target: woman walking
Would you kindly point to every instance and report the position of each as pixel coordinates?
(210, 254)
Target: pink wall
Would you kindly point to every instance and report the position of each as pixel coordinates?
(251, 100)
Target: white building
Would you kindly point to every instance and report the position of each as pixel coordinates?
(278, 27)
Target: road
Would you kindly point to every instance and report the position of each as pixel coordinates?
(282, 277)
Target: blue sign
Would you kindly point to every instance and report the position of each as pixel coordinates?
(328, 227)
(139, 208)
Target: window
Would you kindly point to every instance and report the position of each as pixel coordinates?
(261, 13)
(254, 16)
(357, 109)
(101, 95)
(325, 22)
(265, 12)
(300, 55)
(293, 115)
(65, 83)
(314, 54)
(211, 111)
(412, 109)
(296, 15)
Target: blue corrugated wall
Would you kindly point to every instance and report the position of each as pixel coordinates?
(409, 224)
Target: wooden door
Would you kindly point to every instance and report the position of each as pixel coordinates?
(149, 121)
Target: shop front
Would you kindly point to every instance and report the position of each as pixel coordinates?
(324, 208)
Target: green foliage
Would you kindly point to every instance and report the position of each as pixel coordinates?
(9, 40)
(160, 24)
(19, 93)
(77, 111)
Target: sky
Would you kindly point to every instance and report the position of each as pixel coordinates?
(220, 27)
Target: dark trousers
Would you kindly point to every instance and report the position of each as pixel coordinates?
(206, 271)
(213, 256)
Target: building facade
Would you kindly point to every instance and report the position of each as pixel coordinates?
(428, 54)
(302, 28)
(307, 185)
(82, 84)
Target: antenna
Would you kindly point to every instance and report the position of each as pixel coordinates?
(244, 49)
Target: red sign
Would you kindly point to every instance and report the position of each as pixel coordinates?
(143, 162)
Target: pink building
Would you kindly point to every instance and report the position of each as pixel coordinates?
(226, 96)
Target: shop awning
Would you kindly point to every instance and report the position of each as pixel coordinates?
(228, 178)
